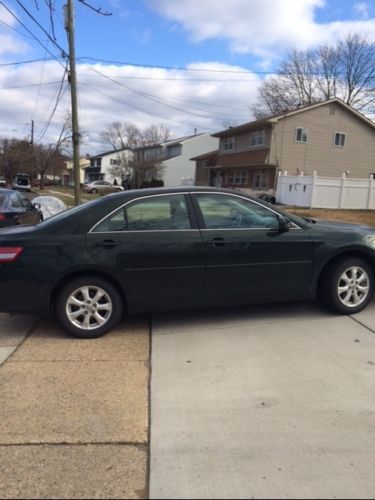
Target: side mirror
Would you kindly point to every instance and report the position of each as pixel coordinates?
(37, 206)
(284, 224)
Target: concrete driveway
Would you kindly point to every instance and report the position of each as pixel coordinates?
(263, 402)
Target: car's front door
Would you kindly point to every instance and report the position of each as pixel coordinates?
(247, 256)
(154, 247)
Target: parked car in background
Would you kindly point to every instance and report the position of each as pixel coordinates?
(17, 209)
(178, 248)
(22, 182)
(49, 205)
(101, 187)
(3, 182)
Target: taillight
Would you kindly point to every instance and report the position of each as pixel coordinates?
(2, 217)
(9, 254)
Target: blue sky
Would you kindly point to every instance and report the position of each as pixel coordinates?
(228, 46)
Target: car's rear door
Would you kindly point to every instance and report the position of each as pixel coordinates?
(154, 246)
(247, 256)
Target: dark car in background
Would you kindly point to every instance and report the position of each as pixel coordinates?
(17, 209)
(179, 248)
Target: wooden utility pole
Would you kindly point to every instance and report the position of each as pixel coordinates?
(69, 26)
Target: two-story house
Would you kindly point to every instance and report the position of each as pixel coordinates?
(175, 157)
(103, 166)
(329, 138)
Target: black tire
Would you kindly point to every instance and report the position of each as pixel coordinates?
(94, 191)
(347, 286)
(96, 318)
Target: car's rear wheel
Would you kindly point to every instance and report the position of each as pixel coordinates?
(89, 307)
(347, 286)
(94, 191)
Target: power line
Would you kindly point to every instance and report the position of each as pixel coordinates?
(140, 109)
(176, 68)
(31, 33)
(152, 97)
(60, 95)
(30, 85)
(18, 63)
(41, 27)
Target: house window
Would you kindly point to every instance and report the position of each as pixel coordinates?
(237, 178)
(228, 144)
(339, 140)
(301, 134)
(261, 180)
(257, 138)
(113, 161)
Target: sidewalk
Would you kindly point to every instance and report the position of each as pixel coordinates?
(74, 414)
(13, 331)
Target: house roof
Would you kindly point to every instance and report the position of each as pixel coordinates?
(111, 152)
(256, 124)
(205, 155)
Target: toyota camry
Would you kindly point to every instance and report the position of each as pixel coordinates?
(159, 249)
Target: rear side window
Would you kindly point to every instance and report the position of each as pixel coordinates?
(158, 213)
(2, 200)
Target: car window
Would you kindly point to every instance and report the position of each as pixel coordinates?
(151, 214)
(24, 201)
(15, 201)
(231, 212)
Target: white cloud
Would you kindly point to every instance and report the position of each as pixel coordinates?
(206, 100)
(260, 27)
(362, 9)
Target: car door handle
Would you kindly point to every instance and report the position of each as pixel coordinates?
(107, 244)
(218, 242)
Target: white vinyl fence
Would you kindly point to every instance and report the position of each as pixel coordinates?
(325, 192)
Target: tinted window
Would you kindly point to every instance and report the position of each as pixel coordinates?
(229, 212)
(15, 201)
(149, 214)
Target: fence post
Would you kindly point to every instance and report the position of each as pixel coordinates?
(342, 191)
(370, 189)
(312, 199)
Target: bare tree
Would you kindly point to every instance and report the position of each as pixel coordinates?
(135, 169)
(346, 71)
(127, 135)
(15, 156)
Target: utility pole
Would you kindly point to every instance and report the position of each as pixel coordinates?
(69, 26)
(32, 134)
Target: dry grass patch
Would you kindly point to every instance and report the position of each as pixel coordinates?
(356, 216)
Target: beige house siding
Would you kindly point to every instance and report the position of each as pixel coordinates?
(242, 142)
(319, 154)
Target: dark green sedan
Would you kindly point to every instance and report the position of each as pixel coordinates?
(160, 249)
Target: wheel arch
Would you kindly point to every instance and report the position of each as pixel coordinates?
(355, 253)
(87, 273)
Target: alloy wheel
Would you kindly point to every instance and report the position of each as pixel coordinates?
(89, 307)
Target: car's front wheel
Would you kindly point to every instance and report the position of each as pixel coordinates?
(94, 191)
(347, 286)
(89, 307)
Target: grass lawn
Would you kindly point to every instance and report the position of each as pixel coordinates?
(65, 194)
